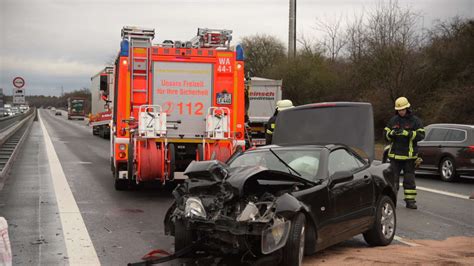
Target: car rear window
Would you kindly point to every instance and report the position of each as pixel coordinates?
(437, 134)
(456, 135)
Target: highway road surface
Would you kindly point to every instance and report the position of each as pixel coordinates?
(62, 207)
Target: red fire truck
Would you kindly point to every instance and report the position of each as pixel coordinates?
(175, 102)
(101, 103)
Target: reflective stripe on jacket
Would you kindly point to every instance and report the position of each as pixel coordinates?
(404, 134)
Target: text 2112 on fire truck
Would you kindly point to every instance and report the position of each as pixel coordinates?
(175, 102)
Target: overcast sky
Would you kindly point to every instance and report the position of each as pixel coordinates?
(54, 43)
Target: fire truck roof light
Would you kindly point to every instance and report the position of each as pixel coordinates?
(240, 56)
(124, 48)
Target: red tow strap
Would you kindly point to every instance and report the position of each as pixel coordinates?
(153, 254)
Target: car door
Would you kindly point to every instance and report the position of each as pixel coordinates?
(351, 199)
(430, 148)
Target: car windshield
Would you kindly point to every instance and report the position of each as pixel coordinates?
(305, 162)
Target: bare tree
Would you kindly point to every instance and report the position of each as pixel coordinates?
(334, 39)
(391, 41)
(308, 47)
(356, 39)
(262, 52)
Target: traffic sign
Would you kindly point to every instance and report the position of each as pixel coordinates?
(18, 82)
(19, 96)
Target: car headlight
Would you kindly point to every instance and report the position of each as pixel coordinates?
(274, 237)
(194, 207)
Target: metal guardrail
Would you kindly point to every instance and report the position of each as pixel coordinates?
(11, 139)
(8, 121)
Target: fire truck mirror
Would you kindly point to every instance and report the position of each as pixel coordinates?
(103, 84)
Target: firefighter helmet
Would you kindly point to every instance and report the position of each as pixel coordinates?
(284, 104)
(401, 103)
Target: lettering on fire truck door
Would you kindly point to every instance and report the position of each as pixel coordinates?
(184, 91)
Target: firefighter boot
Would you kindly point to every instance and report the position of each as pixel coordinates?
(411, 204)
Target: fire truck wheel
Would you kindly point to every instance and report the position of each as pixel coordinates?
(121, 185)
(95, 131)
(171, 157)
(112, 166)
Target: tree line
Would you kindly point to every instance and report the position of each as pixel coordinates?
(376, 58)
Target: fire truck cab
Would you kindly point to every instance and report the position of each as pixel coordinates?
(175, 102)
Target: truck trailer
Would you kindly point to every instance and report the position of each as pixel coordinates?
(175, 102)
(101, 89)
(76, 108)
(263, 95)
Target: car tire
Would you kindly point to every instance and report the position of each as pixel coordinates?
(183, 237)
(385, 224)
(447, 170)
(293, 251)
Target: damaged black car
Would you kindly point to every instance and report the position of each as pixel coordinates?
(315, 186)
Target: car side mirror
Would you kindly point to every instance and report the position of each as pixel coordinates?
(341, 177)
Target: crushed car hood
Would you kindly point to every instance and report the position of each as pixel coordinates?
(236, 177)
(240, 175)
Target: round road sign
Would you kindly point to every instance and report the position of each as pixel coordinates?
(18, 82)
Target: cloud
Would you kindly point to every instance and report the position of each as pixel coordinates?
(48, 67)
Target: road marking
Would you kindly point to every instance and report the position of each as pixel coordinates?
(460, 196)
(80, 248)
(401, 240)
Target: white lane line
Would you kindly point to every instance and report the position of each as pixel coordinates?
(79, 246)
(401, 240)
(460, 196)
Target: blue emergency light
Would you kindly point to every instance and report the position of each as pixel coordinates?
(240, 56)
(124, 48)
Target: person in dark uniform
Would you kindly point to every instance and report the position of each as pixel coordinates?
(403, 131)
(270, 127)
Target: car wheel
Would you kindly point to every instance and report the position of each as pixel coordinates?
(447, 170)
(183, 237)
(383, 230)
(293, 251)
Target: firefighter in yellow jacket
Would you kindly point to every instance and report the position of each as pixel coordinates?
(270, 127)
(403, 131)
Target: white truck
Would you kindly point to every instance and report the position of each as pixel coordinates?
(263, 94)
(101, 104)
